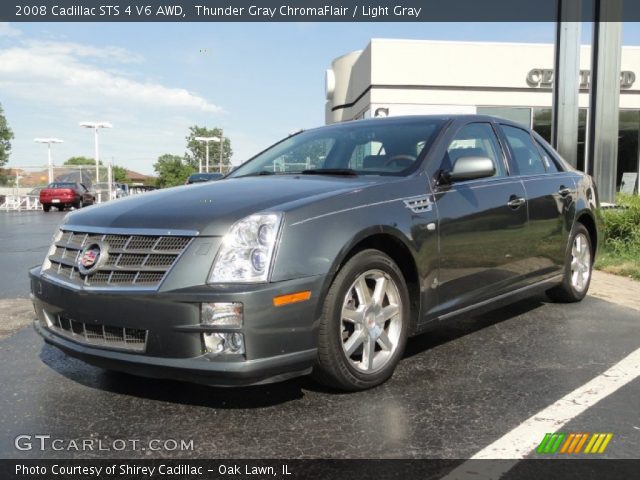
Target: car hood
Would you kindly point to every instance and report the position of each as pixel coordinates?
(211, 208)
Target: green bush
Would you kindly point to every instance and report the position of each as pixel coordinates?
(621, 252)
(622, 225)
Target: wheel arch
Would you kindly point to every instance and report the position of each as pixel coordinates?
(588, 221)
(392, 243)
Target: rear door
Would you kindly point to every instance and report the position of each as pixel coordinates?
(550, 194)
(482, 224)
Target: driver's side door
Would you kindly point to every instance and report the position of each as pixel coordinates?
(482, 224)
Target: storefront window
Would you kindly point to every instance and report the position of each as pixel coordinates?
(542, 125)
(521, 115)
(542, 122)
(582, 137)
(629, 130)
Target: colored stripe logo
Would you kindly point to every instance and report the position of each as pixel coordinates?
(573, 443)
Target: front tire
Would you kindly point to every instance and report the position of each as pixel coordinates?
(578, 266)
(364, 323)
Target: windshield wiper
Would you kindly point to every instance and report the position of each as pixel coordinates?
(254, 174)
(330, 171)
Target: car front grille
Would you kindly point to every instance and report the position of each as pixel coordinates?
(140, 261)
(105, 336)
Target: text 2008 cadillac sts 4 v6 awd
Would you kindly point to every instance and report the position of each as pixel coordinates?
(321, 254)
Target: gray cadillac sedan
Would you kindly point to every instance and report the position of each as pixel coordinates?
(321, 254)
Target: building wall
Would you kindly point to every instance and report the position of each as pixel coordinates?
(405, 75)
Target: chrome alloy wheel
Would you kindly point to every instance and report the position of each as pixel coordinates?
(580, 262)
(371, 322)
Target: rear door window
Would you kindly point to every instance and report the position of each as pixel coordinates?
(525, 155)
(547, 159)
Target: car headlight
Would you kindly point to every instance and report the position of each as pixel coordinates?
(247, 250)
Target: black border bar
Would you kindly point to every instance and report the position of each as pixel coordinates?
(297, 11)
(578, 469)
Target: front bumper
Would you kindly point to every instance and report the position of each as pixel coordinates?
(279, 341)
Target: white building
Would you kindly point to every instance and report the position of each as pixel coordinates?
(511, 80)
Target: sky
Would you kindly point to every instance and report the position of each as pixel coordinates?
(151, 81)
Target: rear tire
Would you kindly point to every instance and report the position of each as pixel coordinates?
(46, 208)
(364, 323)
(79, 204)
(578, 266)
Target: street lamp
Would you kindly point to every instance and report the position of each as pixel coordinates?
(48, 141)
(96, 126)
(206, 141)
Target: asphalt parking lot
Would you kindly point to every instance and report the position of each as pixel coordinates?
(461, 387)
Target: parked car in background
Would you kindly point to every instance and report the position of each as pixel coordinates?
(118, 190)
(203, 177)
(65, 194)
(35, 192)
(322, 254)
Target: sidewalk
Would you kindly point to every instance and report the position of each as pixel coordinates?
(615, 289)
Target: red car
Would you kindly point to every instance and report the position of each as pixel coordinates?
(65, 194)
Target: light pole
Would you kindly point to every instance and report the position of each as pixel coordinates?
(206, 141)
(96, 126)
(48, 141)
(221, 147)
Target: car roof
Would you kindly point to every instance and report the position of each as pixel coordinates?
(410, 119)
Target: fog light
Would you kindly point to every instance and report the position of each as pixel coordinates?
(221, 314)
(223, 343)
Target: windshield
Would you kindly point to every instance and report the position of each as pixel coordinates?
(381, 147)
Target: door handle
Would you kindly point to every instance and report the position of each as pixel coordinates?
(564, 191)
(515, 202)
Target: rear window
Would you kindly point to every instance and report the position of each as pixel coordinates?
(61, 185)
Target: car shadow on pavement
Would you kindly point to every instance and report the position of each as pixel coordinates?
(170, 391)
(260, 396)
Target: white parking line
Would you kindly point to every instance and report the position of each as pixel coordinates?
(523, 439)
(520, 441)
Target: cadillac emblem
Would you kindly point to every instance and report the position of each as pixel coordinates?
(92, 257)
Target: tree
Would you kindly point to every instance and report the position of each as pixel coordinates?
(172, 171)
(196, 150)
(81, 161)
(6, 135)
(120, 174)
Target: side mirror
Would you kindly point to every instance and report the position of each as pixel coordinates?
(471, 168)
